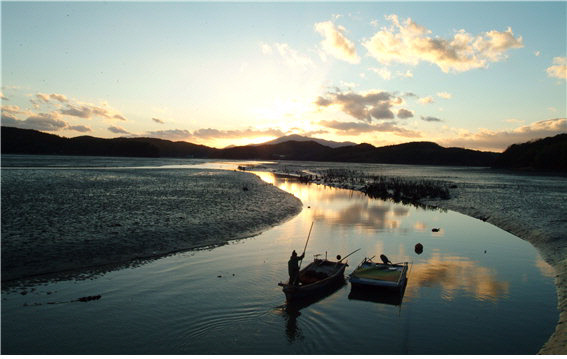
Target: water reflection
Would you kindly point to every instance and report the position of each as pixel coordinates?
(339, 207)
(454, 273)
(378, 295)
(293, 310)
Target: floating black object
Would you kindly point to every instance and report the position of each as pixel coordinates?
(435, 230)
(419, 248)
(338, 257)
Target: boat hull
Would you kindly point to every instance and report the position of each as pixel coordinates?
(310, 287)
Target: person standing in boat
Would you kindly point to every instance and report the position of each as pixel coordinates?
(293, 268)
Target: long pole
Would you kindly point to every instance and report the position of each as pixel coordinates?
(349, 255)
(309, 235)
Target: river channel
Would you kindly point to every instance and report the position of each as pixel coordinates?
(475, 289)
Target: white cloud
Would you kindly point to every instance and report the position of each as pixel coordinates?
(559, 68)
(383, 72)
(499, 140)
(335, 43)
(444, 95)
(426, 100)
(45, 98)
(410, 43)
(292, 57)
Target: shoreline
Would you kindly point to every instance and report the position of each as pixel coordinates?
(552, 248)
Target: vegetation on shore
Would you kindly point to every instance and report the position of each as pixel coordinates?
(398, 189)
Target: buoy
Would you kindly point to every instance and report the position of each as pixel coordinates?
(435, 230)
(419, 248)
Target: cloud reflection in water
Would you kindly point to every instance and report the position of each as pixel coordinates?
(453, 274)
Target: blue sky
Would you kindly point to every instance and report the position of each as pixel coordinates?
(479, 75)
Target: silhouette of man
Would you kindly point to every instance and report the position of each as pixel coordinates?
(293, 268)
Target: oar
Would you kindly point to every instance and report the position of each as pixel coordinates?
(348, 255)
(306, 242)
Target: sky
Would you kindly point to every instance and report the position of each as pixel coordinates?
(479, 75)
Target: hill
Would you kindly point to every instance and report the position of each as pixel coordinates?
(546, 154)
(20, 141)
(299, 138)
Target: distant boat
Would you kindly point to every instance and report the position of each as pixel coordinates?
(379, 275)
(317, 277)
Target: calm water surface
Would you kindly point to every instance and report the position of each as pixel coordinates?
(474, 290)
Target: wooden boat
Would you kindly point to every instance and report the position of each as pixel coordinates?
(379, 275)
(319, 276)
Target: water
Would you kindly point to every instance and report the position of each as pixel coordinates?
(474, 290)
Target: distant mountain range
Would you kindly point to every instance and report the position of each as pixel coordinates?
(298, 148)
(300, 138)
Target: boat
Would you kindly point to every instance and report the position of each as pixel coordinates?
(370, 274)
(318, 277)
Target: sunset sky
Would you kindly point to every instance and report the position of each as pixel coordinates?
(478, 75)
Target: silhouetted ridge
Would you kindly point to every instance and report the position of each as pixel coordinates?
(20, 141)
(547, 154)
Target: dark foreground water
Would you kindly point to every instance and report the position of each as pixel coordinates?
(474, 290)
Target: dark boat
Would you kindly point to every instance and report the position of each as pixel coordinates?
(316, 278)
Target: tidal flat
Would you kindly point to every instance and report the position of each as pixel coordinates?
(67, 219)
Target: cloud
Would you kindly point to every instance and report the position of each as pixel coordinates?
(383, 72)
(430, 119)
(90, 111)
(290, 56)
(77, 111)
(364, 107)
(356, 128)
(45, 98)
(157, 120)
(11, 109)
(410, 43)
(444, 95)
(79, 128)
(335, 43)
(500, 140)
(214, 133)
(3, 97)
(403, 113)
(119, 130)
(558, 69)
(172, 135)
(426, 100)
(41, 122)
